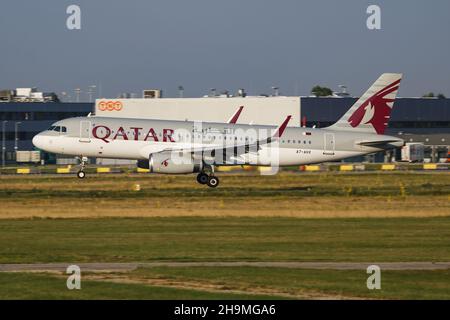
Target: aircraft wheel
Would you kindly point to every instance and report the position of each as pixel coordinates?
(81, 174)
(213, 181)
(202, 178)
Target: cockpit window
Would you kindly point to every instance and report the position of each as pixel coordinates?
(58, 129)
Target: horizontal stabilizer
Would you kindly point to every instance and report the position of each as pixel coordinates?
(373, 143)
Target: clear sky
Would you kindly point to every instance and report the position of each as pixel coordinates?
(126, 46)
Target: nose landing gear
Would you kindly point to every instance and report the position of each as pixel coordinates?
(81, 174)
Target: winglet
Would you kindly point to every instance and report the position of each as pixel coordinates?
(234, 118)
(279, 132)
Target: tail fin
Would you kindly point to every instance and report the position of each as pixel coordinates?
(371, 113)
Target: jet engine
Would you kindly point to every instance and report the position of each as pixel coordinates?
(171, 162)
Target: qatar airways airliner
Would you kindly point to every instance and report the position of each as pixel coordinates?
(182, 147)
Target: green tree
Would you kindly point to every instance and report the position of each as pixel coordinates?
(319, 91)
(441, 96)
(428, 95)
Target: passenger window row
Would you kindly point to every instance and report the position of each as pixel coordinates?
(297, 142)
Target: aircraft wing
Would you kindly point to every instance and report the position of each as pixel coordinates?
(200, 148)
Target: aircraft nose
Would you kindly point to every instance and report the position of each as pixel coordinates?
(38, 141)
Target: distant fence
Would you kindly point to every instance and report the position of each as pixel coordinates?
(375, 167)
(327, 167)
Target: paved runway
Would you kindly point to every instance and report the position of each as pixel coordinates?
(129, 266)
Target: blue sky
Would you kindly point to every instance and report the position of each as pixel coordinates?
(126, 46)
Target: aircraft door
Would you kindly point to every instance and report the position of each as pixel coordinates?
(329, 144)
(85, 131)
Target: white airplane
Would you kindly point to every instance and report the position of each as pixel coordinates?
(181, 147)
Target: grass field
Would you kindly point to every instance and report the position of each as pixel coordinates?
(229, 283)
(224, 239)
(295, 195)
(371, 218)
(296, 283)
(44, 286)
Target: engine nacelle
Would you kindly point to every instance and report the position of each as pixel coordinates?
(171, 162)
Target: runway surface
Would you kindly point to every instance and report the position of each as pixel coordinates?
(125, 267)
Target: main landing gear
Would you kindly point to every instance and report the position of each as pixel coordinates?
(213, 181)
(209, 179)
(81, 174)
(202, 178)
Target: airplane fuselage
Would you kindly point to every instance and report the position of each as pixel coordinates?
(121, 138)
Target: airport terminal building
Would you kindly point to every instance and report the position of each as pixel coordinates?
(21, 121)
(424, 120)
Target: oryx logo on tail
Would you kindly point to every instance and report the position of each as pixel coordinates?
(376, 110)
(371, 112)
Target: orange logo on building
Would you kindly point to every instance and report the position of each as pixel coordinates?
(110, 106)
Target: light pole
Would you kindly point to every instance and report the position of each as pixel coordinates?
(77, 92)
(16, 135)
(3, 142)
(91, 91)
